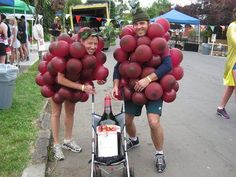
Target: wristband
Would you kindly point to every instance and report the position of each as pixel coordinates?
(150, 80)
(82, 88)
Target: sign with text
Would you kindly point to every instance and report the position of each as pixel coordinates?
(213, 38)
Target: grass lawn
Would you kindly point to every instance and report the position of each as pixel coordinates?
(18, 128)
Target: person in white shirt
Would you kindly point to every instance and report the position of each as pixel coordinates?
(15, 43)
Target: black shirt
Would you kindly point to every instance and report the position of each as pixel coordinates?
(56, 29)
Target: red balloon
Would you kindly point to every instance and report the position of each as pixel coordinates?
(178, 72)
(164, 23)
(47, 91)
(176, 56)
(101, 44)
(169, 96)
(39, 79)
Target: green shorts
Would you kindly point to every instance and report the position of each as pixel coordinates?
(154, 107)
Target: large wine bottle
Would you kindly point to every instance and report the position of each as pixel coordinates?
(109, 132)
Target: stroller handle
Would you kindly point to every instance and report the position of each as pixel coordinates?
(93, 110)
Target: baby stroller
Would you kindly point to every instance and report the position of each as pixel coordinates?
(105, 159)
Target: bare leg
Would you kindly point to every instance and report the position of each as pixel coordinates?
(25, 51)
(3, 59)
(69, 119)
(157, 134)
(13, 56)
(55, 120)
(234, 74)
(227, 94)
(21, 53)
(130, 126)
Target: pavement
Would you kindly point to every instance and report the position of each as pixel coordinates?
(197, 142)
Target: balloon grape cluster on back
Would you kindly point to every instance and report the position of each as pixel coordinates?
(68, 56)
(140, 56)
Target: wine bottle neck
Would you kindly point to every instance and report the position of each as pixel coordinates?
(107, 105)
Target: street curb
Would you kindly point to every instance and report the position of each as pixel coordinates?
(39, 156)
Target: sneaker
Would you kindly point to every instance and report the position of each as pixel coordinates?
(132, 144)
(71, 145)
(222, 113)
(160, 162)
(58, 154)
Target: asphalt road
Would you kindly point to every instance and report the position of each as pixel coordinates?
(197, 142)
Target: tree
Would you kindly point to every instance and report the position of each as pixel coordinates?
(158, 7)
(211, 12)
(218, 12)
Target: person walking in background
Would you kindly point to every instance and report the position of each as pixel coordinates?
(15, 43)
(55, 29)
(7, 40)
(154, 108)
(90, 41)
(230, 69)
(3, 38)
(38, 34)
(22, 37)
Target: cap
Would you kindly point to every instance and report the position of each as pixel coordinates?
(140, 15)
(85, 32)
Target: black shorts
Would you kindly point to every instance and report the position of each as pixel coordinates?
(22, 38)
(2, 49)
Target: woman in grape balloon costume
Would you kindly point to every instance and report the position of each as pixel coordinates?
(66, 75)
(145, 70)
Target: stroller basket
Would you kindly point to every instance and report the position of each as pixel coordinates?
(115, 160)
(109, 147)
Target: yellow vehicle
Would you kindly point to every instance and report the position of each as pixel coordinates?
(91, 15)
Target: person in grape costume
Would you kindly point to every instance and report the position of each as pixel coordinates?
(90, 41)
(230, 69)
(154, 108)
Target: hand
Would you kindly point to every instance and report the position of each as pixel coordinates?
(141, 84)
(101, 82)
(89, 89)
(114, 92)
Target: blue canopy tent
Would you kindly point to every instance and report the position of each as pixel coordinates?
(175, 16)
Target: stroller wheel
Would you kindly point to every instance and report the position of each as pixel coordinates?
(131, 172)
(97, 172)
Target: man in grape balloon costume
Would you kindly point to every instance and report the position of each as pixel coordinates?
(144, 73)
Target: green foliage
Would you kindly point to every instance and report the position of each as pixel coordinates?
(158, 7)
(109, 33)
(70, 3)
(17, 124)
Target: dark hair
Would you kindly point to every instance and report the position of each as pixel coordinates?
(3, 16)
(22, 17)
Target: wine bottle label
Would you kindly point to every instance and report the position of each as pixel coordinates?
(107, 140)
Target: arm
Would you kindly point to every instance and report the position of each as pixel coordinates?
(14, 33)
(116, 80)
(4, 31)
(232, 34)
(161, 70)
(68, 83)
